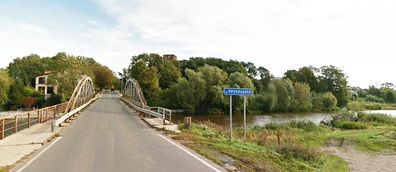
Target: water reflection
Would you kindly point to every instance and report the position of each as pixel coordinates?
(260, 120)
(255, 120)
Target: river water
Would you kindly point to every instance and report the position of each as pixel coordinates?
(260, 120)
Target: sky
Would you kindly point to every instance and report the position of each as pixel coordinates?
(357, 36)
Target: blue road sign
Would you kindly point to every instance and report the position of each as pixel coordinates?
(238, 91)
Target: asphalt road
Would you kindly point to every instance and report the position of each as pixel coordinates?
(109, 138)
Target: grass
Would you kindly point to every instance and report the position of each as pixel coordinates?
(4, 169)
(389, 106)
(262, 150)
(331, 163)
(293, 146)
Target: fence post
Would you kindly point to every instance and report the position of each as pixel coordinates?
(170, 117)
(164, 116)
(39, 116)
(16, 124)
(2, 128)
(28, 120)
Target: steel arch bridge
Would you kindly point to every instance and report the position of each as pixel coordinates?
(82, 94)
(133, 93)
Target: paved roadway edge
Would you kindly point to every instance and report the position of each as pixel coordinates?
(19, 167)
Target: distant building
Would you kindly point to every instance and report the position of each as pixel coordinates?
(170, 57)
(46, 89)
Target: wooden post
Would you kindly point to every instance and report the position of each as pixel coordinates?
(187, 121)
(39, 117)
(28, 120)
(16, 124)
(2, 128)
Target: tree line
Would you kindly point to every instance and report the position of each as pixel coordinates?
(17, 81)
(197, 84)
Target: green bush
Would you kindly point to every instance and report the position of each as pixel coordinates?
(371, 98)
(349, 125)
(305, 125)
(299, 152)
(54, 99)
(378, 118)
(374, 106)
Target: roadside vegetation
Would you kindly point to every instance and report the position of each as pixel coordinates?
(293, 146)
(171, 83)
(17, 81)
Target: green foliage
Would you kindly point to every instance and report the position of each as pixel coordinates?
(205, 86)
(26, 69)
(334, 80)
(304, 125)
(15, 96)
(283, 94)
(262, 103)
(373, 106)
(302, 101)
(356, 106)
(349, 125)
(324, 102)
(390, 96)
(371, 98)
(54, 99)
(377, 118)
(103, 77)
(5, 83)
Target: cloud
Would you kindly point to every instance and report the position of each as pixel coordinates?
(276, 34)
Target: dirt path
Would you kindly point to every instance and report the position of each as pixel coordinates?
(365, 162)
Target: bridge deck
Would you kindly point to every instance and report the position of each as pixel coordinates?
(107, 137)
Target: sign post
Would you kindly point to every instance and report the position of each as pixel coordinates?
(238, 92)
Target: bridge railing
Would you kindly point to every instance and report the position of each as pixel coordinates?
(158, 112)
(11, 124)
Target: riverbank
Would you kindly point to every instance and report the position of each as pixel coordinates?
(294, 146)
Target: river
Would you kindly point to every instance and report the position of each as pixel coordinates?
(260, 120)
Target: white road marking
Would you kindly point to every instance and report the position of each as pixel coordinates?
(189, 153)
(38, 155)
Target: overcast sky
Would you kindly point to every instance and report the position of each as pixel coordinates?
(358, 36)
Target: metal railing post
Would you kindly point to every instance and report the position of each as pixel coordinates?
(16, 124)
(2, 128)
(28, 120)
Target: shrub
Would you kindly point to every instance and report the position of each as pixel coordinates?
(374, 106)
(356, 106)
(299, 152)
(371, 98)
(54, 99)
(349, 125)
(305, 125)
(378, 118)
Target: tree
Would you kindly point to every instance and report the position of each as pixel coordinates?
(302, 98)
(103, 77)
(26, 69)
(282, 90)
(262, 103)
(356, 106)
(390, 96)
(239, 80)
(169, 74)
(5, 82)
(250, 68)
(149, 81)
(28, 101)
(15, 95)
(324, 102)
(334, 80)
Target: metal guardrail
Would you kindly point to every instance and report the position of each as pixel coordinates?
(159, 112)
(66, 116)
(11, 124)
